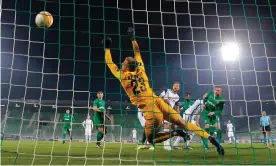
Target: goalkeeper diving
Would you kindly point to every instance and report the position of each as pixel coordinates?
(135, 82)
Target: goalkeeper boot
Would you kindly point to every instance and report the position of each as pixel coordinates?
(131, 33)
(220, 149)
(107, 41)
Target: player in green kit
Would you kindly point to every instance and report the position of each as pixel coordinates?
(68, 119)
(214, 104)
(99, 117)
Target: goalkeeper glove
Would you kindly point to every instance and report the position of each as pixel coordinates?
(131, 33)
(108, 41)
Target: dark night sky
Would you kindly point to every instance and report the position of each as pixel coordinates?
(179, 39)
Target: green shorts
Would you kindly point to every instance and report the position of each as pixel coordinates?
(67, 127)
(98, 123)
(211, 120)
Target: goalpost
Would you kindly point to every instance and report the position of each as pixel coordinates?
(44, 72)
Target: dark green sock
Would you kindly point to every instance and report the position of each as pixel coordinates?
(205, 141)
(144, 138)
(219, 136)
(63, 136)
(99, 136)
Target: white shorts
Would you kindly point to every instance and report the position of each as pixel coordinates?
(230, 134)
(88, 132)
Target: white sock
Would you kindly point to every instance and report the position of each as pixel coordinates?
(89, 138)
(86, 138)
(167, 142)
(230, 141)
(176, 142)
(234, 139)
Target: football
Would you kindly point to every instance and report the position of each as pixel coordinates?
(44, 19)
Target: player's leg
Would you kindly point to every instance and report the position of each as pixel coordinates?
(69, 131)
(89, 135)
(154, 119)
(66, 130)
(86, 135)
(270, 135)
(167, 129)
(216, 123)
(171, 115)
(64, 133)
(207, 122)
(264, 133)
(100, 135)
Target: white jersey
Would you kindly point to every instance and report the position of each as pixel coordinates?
(87, 124)
(134, 133)
(190, 114)
(171, 96)
(230, 129)
(141, 118)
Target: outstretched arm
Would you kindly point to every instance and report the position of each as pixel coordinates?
(113, 67)
(136, 49)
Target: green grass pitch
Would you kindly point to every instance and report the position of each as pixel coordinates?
(56, 153)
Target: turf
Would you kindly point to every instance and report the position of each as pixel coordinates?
(77, 153)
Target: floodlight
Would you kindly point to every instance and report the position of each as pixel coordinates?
(230, 52)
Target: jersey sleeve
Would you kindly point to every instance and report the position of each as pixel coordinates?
(220, 107)
(163, 94)
(137, 54)
(113, 67)
(95, 104)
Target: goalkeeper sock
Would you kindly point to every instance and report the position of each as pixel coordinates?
(144, 138)
(197, 130)
(219, 136)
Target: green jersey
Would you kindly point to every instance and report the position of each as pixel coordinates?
(99, 116)
(68, 118)
(186, 105)
(213, 104)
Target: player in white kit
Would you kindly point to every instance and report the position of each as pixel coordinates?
(88, 126)
(134, 135)
(171, 97)
(230, 131)
(192, 115)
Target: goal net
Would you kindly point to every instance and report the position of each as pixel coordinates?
(45, 72)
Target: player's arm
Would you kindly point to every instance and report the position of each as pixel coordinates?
(108, 59)
(83, 124)
(108, 117)
(177, 107)
(164, 97)
(136, 49)
(220, 107)
(95, 108)
(197, 119)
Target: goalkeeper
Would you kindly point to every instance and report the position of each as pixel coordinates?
(135, 82)
(214, 104)
(68, 119)
(99, 117)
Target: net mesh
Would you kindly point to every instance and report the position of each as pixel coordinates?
(46, 71)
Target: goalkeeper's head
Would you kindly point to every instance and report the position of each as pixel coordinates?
(129, 64)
